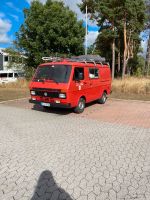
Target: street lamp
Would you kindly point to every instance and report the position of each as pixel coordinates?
(86, 32)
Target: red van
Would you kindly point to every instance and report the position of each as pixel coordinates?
(70, 84)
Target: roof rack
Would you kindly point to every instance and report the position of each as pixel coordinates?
(96, 59)
(52, 59)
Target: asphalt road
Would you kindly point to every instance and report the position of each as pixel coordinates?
(50, 156)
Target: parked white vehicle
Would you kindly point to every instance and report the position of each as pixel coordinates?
(9, 76)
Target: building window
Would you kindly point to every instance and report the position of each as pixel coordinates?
(10, 75)
(93, 73)
(3, 75)
(16, 75)
(6, 58)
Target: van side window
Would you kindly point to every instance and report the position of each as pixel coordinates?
(77, 72)
(93, 73)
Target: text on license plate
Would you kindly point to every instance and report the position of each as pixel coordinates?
(45, 104)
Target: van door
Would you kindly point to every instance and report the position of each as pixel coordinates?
(78, 87)
(94, 79)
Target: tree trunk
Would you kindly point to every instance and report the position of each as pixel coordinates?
(125, 48)
(119, 63)
(147, 66)
(113, 57)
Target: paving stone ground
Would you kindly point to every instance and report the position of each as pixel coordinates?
(50, 156)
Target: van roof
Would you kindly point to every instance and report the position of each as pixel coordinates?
(75, 63)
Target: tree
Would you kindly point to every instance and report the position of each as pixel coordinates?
(49, 29)
(131, 15)
(147, 27)
(125, 19)
(104, 13)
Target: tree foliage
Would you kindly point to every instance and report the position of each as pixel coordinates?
(49, 29)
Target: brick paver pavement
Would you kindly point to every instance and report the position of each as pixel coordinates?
(49, 156)
(128, 112)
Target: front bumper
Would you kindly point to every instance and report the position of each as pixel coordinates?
(53, 105)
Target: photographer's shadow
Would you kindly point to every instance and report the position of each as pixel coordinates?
(47, 189)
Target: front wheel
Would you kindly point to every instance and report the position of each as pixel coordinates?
(103, 99)
(80, 107)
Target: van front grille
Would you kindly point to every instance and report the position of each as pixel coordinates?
(52, 93)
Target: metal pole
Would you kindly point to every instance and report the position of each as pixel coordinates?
(86, 32)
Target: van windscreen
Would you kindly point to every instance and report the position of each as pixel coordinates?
(56, 73)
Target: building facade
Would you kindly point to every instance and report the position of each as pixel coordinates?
(8, 61)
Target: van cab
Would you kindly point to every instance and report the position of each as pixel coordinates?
(70, 84)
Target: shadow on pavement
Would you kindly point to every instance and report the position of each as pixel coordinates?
(47, 189)
(59, 111)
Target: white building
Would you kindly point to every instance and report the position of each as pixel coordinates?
(6, 59)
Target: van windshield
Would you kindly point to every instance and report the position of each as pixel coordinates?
(55, 73)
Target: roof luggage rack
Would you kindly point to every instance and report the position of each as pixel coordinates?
(96, 59)
(52, 59)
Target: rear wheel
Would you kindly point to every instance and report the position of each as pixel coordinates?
(103, 99)
(80, 107)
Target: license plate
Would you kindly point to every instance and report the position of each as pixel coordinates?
(45, 104)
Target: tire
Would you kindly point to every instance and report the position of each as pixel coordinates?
(103, 99)
(80, 107)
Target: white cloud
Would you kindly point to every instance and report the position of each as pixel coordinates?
(92, 37)
(11, 5)
(5, 27)
(4, 39)
(15, 17)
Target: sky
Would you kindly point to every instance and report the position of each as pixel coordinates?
(11, 17)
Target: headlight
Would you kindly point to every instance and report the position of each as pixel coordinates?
(33, 92)
(62, 95)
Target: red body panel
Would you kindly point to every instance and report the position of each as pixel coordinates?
(90, 89)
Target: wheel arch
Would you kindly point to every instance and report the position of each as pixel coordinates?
(83, 98)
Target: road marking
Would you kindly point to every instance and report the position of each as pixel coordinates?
(13, 100)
